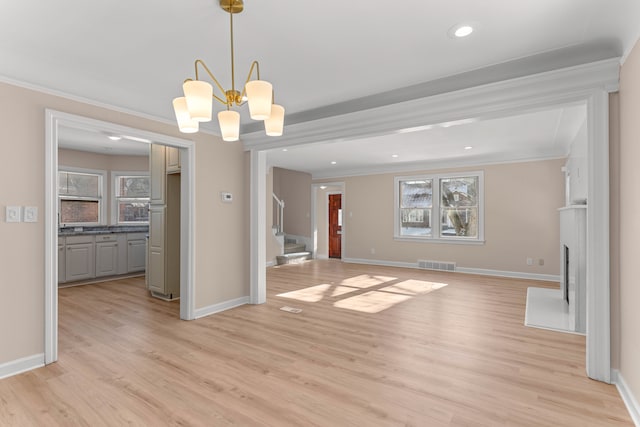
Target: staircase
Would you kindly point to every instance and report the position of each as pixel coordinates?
(294, 253)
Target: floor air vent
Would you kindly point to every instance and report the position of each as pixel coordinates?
(436, 265)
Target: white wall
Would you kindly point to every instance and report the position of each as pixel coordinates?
(521, 220)
(629, 225)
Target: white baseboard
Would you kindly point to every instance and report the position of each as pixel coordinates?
(222, 306)
(322, 256)
(270, 263)
(513, 274)
(19, 366)
(627, 396)
(480, 271)
(380, 262)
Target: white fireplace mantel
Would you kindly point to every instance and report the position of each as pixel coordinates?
(564, 309)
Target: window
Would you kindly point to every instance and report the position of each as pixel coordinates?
(453, 200)
(80, 197)
(131, 198)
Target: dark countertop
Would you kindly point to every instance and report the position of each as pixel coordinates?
(86, 231)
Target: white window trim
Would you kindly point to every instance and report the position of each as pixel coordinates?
(102, 211)
(436, 237)
(114, 198)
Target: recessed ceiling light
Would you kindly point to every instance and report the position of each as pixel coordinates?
(395, 156)
(284, 149)
(323, 187)
(460, 31)
(468, 147)
(114, 137)
(135, 138)
(334, 163)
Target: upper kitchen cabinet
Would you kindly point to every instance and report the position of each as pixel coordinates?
(173, 159)
(157, 171)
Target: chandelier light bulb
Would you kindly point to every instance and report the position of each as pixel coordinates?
(260, 95)
(199, 95)
(185, 123)
(274, 124)
(229, 125)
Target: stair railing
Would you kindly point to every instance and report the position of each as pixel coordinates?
(279, 214)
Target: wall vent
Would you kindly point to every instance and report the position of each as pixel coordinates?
(436, 265)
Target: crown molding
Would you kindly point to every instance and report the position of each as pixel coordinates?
(92, 102)
(509, 97)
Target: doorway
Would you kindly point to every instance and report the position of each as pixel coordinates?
(335, 225)
(55, 120)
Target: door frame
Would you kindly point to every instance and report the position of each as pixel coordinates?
(314, 215)
(329, 194)
(53, 120)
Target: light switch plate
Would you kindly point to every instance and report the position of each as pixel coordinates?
(13, 214)
(30, 214)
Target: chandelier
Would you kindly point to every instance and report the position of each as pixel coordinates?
(196, 104)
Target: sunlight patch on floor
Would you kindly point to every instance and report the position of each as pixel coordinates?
(384, 298)
(310, 294)
(371, 302)
(413, 287)
(366, 281)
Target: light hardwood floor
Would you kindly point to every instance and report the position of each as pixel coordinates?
(373, 346)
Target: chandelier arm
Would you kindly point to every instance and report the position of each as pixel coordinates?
(201, 62)
(254, 65)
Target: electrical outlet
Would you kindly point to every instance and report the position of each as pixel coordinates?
(529, 261)
(541, 261)
(373, 251)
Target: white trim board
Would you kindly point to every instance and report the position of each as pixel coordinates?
(627, 396)
(221, 306)
(504, 98)
(464, 270)
(18, 366)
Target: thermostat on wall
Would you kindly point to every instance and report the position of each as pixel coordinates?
(226, 197)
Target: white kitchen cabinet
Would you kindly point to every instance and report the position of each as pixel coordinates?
(156, 267)
(136, 252)
(106, 258)
(79, 258)
(173, 159)
(122, 253)
(157, 174)
(163, 269)
(61, 260)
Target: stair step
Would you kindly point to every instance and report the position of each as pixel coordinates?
(290, 248)
(293, 258)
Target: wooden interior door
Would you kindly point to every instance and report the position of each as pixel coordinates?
(335, 225)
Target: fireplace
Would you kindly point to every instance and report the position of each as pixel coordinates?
(564, 308)
(573, 249)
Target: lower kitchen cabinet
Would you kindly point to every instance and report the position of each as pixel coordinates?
(106, 255)
(79, 258)
(136, 252)
(62, 277)
(82, 257)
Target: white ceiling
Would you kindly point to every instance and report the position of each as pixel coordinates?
(323, 57)
(99, 142)
(538, 135)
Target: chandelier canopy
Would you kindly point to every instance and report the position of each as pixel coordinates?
(196, 104)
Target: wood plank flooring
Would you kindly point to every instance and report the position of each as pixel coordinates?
(373, 346)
